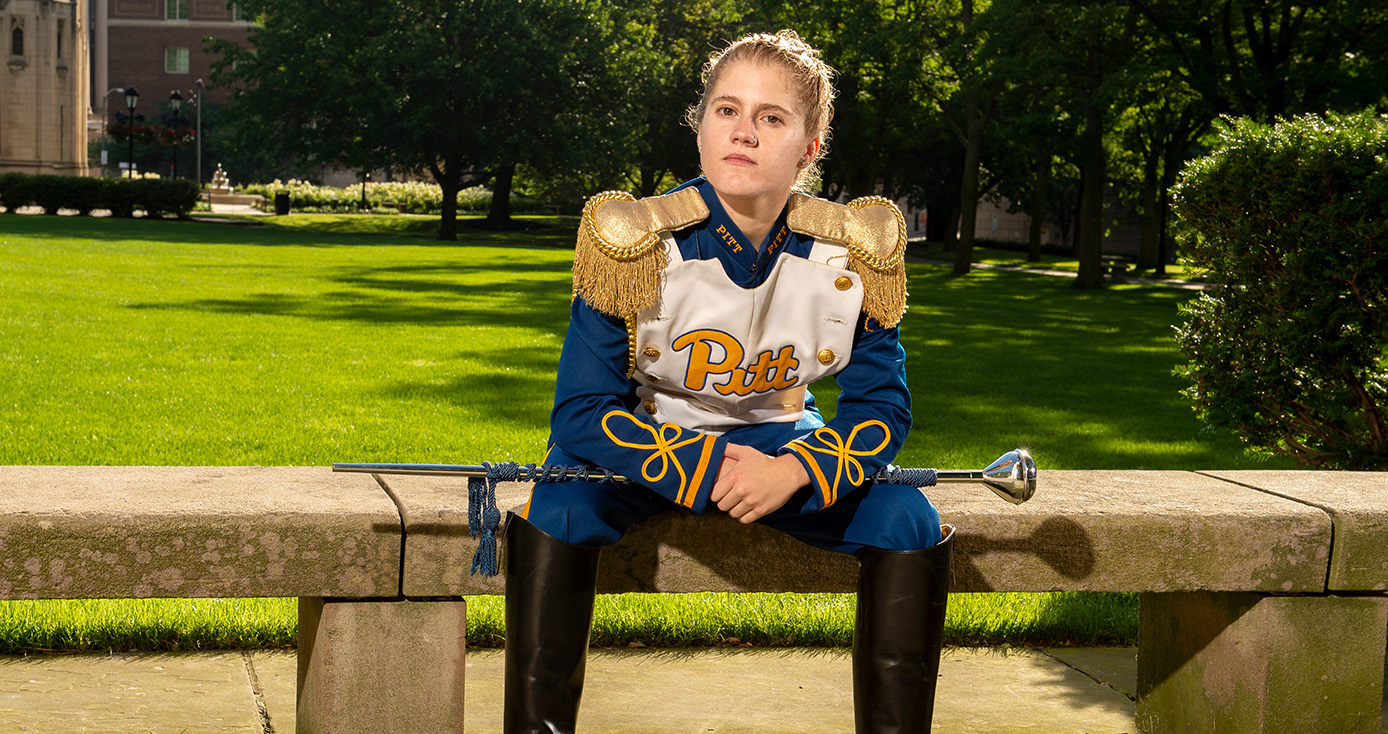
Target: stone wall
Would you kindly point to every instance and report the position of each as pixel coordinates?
(43, 87)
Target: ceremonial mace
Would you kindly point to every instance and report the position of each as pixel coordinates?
(1012, 476)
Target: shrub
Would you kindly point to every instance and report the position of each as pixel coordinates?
(1287, 346)
(122, 197)
(158, 196)
(116, 195)
(50, 193)
(84, 194)
(15, 191)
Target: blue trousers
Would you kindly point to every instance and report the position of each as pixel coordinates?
(893, 517)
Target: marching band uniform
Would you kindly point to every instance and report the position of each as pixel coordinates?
(684, 337)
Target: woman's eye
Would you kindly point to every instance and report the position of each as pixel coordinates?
(725, 111)
(773, 119)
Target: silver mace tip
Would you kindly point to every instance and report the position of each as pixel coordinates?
(1012, 476)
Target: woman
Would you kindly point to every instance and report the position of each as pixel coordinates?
(698, 320)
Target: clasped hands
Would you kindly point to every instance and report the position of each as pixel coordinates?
(751, 484)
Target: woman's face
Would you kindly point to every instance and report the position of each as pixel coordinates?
(752, 139)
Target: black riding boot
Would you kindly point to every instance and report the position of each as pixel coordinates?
(549, 612)
(897, 637)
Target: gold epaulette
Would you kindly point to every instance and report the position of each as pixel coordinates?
(874, 232)
(618, 259)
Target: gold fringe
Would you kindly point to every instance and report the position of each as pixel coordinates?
(619, 261)
(614, 279)
(883, 273)
(876, 242)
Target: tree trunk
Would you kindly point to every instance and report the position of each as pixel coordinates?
(1038, 206)
(448, 178)
(499, 214)
(968, 187)
(448, 222)
(1077, 216)
(1092, 198)
(650, 178)
(1173, 157)
(1149, 238)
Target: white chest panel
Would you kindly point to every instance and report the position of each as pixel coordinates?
(713, 356)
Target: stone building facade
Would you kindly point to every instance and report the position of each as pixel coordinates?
(44, 86)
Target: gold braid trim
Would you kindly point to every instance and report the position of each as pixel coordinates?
(874, 232)
(618, 260)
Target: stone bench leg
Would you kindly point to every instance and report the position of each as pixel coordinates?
(1248, 662)
(374, 666)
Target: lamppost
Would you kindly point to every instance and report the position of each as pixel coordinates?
(106, 139)
(132, 97)
(176, 103)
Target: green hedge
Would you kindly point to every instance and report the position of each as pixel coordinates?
(156, 197)
(414, 197)
(1288, 345)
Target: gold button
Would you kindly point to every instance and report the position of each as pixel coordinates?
(843, 283)
(654, 379)
(826, 356)
(649, 405)
(651, 352)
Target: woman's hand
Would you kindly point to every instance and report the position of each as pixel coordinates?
(751, 484)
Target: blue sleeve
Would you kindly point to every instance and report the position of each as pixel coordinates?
(593, 418)
(870, 425)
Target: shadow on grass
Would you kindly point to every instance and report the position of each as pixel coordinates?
(526, 301)
(315, 231)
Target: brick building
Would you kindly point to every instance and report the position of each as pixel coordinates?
(157, 46)
(43, 87)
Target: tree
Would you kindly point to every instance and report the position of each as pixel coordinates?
(1086, 49)
(464, 91)
(1287, 346)
(667, 44)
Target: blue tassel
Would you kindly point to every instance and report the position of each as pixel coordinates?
(483, 515)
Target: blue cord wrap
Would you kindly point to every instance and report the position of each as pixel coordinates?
(901, 475)
(484, 517)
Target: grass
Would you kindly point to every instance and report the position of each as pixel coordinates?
(311, 339)
(622, 620)
(1017, 259)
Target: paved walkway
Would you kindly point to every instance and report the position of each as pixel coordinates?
(1190, 285)
(724, 691)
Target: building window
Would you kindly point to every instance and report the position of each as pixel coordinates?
(176, 9)
(60, 40)
(175, 60)
(237, 13)
(17, 42)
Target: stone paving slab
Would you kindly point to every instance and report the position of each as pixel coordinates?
(1112, 667)
(137, 693)
(276, 673)
(1358, 506)
(810, 691)
(982, 691)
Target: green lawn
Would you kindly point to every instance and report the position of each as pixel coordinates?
(312, 339)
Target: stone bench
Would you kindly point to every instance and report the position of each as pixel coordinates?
(1263, 595)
